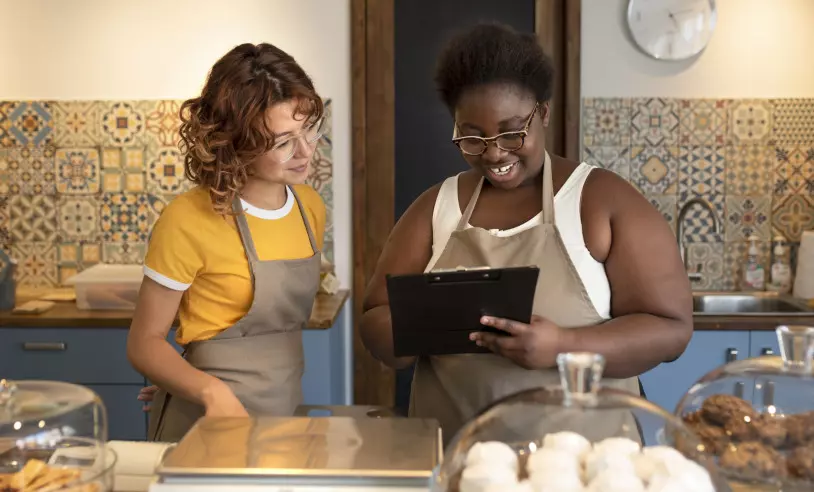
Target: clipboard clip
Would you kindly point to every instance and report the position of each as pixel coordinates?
(463, 274)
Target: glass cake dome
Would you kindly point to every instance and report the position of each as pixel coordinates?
(577, 437)
(53, 437)
(756, 416)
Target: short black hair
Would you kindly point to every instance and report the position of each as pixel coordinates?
(493, 53)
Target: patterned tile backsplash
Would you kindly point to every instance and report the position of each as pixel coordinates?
(82, 182)
(753, 160)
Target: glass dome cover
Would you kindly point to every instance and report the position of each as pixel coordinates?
(53, 437)
(756, 416)
(578, 436)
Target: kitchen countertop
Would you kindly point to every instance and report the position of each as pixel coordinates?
(749, 323)
(66, 315)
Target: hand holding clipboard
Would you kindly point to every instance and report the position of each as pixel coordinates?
(434, 313)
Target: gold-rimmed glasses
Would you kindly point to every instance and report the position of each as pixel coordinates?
(507, 141)
(284, 150)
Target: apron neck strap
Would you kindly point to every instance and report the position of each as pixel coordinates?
(470, 207)
(548, 191)
(245, 234)
(311, 238)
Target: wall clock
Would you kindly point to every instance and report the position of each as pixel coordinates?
(671, 29)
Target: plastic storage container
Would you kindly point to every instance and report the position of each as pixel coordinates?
(108, 287)
(756, 416)
(577, 437)
(53, 437)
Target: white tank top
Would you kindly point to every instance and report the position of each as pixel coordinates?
(567, 216)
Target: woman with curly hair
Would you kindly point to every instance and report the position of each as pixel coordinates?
(237, 257)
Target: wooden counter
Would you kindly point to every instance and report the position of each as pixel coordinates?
(749, 323)
(67, 315)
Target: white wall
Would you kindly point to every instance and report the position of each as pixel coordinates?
(760, 49)
(154, 49)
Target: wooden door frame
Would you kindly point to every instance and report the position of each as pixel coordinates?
(373, 146)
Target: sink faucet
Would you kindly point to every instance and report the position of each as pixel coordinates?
(695, 276)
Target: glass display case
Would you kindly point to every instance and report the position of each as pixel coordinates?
(53, 436)
(756, 416)
(580, 436)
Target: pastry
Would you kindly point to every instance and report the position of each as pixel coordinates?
(714, 438)
(800, 429)
(801, 462)
(753, 459)
(616, 481)
(494, 453)
(568, 441)
(482, 476)
(720, 409)
(771, 430)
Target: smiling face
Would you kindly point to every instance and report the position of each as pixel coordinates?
(295, 136)
(490, 110)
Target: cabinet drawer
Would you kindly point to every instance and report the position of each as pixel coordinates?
(79, 355)
(125, 419)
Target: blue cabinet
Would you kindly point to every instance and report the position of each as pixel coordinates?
(96, 358)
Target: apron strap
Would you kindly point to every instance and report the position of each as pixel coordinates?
(548, 191)
(245, 233)
(470, 207)
(305, 221)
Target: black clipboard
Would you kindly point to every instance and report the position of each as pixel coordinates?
(434, 313)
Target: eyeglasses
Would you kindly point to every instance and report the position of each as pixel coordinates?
(507, 141)
(284, 151)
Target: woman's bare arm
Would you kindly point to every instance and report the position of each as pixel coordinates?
(651, 299)
(408, 250)
(152, 355)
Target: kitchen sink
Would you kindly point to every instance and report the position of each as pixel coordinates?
(748, 305)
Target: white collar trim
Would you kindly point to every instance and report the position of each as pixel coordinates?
(262, 213)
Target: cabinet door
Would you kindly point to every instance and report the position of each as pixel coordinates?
(763, 343)
(125, 419)
(79, 355)
(667, 383)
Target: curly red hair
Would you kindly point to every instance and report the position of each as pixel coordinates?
(225, 129)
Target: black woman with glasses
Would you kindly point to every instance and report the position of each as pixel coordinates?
(611, 279)
(238, 256)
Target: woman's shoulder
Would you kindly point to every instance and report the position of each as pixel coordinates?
(309, 197)
(189, 207)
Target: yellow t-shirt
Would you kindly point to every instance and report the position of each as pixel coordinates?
(197, 250)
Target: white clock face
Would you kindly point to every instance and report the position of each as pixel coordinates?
(671, 29)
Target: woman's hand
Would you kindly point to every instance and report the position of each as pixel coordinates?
(220, 401)
(531, 346)
(146, 395)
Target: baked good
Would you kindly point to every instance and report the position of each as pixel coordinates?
(493, 453)
(482, 476)
(800, 429)
(720, 409)
(568, 441)
(771, 430)
(36, 476)
(616, 481)
(714, 438)
(801, 462)
(551, 460)
(599, 460)
(753, 459)
(556, 482)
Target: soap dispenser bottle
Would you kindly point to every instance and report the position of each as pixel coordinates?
(780, 272)
(754, 274)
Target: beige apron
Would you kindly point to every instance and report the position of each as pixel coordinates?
(261, 356)
(455, 388)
